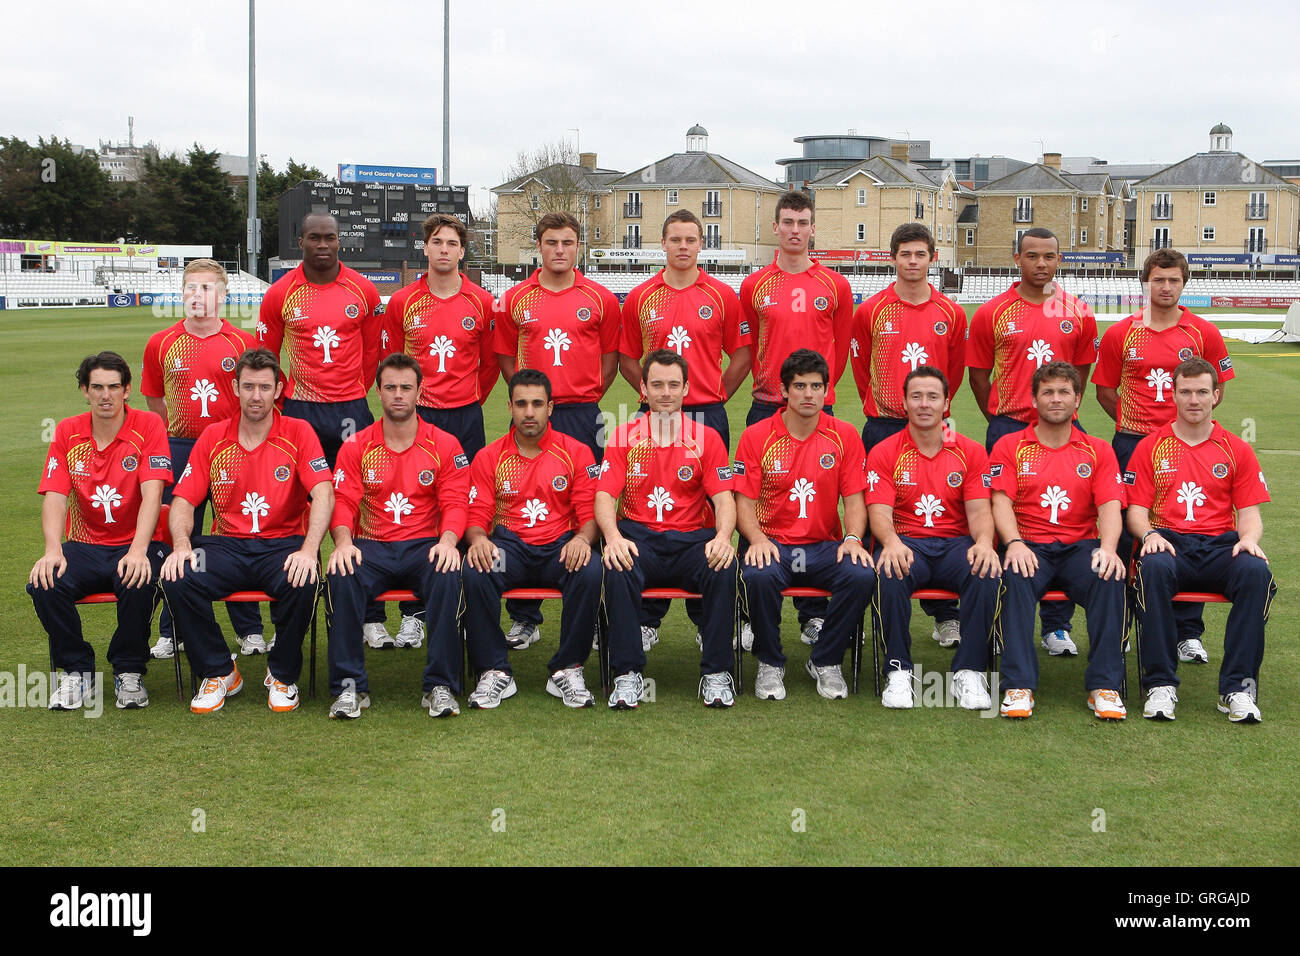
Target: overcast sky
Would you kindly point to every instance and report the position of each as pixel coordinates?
(344, 82)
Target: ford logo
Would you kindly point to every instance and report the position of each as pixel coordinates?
(121, 300)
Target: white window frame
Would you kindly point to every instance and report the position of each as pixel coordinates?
(862, 197)
(713, 231)
(970, 237)
(535, 201)
(598, 233)
(1083, 237)
(862, 232)
(1083, 204)
(1207, 234)
(1209, 198)
(671, 198)
(597, 202)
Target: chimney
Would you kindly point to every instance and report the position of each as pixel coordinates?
(1052, 161)
(587, 161)
(899, 152)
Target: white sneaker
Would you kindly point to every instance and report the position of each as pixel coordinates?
(971, 690)
(947, 633)
(493, 687)
(281, 697)
(164, 649)
(1193, 650)
(411, 633)
(251, 644)
(569, 686)
(130, 692)
(717, 690)
(812, 630)
(769, 682)
(627, 691)
(898, 691)
(73, 692)
(214, 691)
(523, 636)
(1240, 708)
(376, 636)
(1160, 703)
(830, 680)
(1058, 643)
(746, 638)
(349, 705)
(649, 638)
(440, 702)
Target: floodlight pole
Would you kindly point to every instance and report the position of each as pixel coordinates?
(446, 92)
(252, 138)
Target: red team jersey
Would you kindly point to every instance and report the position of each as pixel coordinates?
(1195, 489)
(260, 493)
(451, 338)
(1139, 364)
(539, 498)
(331, 332)
(796, 484)
(796, 310)
(103, 487)
(666, 488)
(388, 495)
(928, 495)
(194, 375)
(1014, 337)
(1056, 491)
(563, 334)
(891, 338)
(699, 323)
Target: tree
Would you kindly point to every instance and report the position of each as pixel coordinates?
(48, 191)
(557, 183)
(271, 185)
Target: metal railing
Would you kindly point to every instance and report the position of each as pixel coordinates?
(632, 210)
(1256, 210)
(1162, 210)
(712, 209)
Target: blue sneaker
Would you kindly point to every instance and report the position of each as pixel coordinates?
(1058, 644)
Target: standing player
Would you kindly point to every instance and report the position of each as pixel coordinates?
(792, 470)
(897, 330)
(1135, 385)
(259, 468)
(444, 321)
(929, 509)
(795, 303)
(531, 523)
(103, 483)
(664, 505)
(1061, 490)
(187, 380)
(685, 309)
(559, 321)
(1194, 505)
(1011, 337)
(402, 485)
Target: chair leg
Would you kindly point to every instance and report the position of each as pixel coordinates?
(858, 636)
(876, 639)
(602, 655)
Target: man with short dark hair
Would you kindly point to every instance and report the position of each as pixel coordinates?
(260, 469)
(1194, 497)
(1061, 490)
(928, 504)
(531, 523)
(401, 491)
(1012, 336)
(664, 504)
(102, 483)
(792, 470)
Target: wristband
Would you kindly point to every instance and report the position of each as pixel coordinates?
(1148, 534)
(1014, 540)
(853, 537)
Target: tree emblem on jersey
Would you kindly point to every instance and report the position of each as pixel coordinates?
(106, 497)
(261, 329)
(473, 493)
(203, 392)
(256, 506)
(399, 505)
(557, 341)
(52, 466)
(1191, 494)
(1160, 380)
(534, 510)
(872, 478)
(1056, 499)
(854, 347)
(444, 348)
(803, 491)
(678, 339)
(660, 500)
(383, 339)
(338, 477)
(915, 354)
(928, 506)
(1040, 352)
(325, 339)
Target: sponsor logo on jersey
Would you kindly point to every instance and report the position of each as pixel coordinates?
(738, 468)
(954, 479)
(160, 462)
(988, 480)
(461, 461)
(1067, 326)
(724, 473)
(228, 363)
(744, 328)
(584, 314)
(559, 482)
(380, 309)
(1220, 470)
(905, 478)
(467, 323)
(351, 311)
(282, 473)
(827, 461)
(1096, 342)
(425, 478)
(320, 464)
(1184, 354)
(994, 471)
(941, 328)
(685, 473)
(1130, 477)
(821, 302)
(593, 471)
(1084, 470)
(130, 463)
(705, 312)
(1225, 363)
(1164, 466)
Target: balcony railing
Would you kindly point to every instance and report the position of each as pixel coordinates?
(920, 210)
(1160, 244)
(631, 210)
(1256, 210)
(1256, 245)
(632, 242)
(712, 209)
(1024, 214)
(1162, 210)
(712, 242)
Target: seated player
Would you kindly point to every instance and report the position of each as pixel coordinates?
(531, 524)
(1061, 490)
(929, 509)
(103, 482)
(664, 505)
(792, 470)
(403, 485)
(1194, 504)
(259, 468)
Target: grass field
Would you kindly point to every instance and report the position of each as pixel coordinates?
(805, 781)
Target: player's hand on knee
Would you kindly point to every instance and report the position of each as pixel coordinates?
(895, 560)
(49, 567)
(762, 554)
(619, 553)
(300, 568)
(174, 567)
(444, 557)
(1107, 565)
(1155, 542)
(984, 561)
(719, 553)
(1249, 547)
(134, 569)
(1021, 559)
(482, 555)
(575, 553)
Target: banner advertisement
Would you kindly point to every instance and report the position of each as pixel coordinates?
(371, 173)
(851, 255)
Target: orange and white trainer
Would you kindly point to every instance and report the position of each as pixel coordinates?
(281, 697)
(214, 691)
(1106, 705)
(1018, 702)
